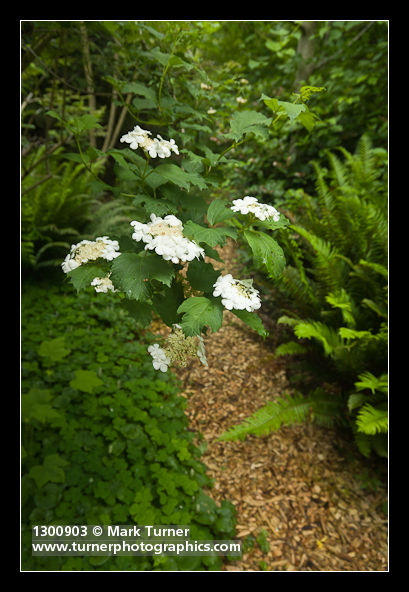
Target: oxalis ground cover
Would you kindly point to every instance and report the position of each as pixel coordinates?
(104, 437)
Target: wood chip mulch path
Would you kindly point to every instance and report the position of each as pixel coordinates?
(295, 484)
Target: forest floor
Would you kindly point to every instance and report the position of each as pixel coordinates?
(301, 486)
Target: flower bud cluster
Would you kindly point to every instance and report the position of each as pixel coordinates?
(140, 138)
(237, 294)
(84, 251)
(165, 237)
(251, 205)
(178, 349)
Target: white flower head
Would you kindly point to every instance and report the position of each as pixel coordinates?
(164, 148)
(86, 250)
(237, 294)
(137, 137)
(260, 210)
(103, 284)
(165, 237)
(160, 361)
(140, 138)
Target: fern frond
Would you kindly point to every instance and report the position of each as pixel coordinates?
(356, 400)
(363, 443)
(371, 420)
(52, 245)
(368, 381)
(342, 300)
(324, 334)
(291, 348)
(298, 289)
(329, 271)
(326, 408)
(284, 411)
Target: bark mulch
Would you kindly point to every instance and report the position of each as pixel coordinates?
(299, 486)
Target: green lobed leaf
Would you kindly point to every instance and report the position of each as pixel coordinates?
(181, 178)
(50, 470)
(85, 381)
(141, 89)
(54, 349)
(202, 275)
(252, 320)
(308, 120)
(84, 123)
(82, 276)
(140, 311)
(36, 405)
(292, 110)
(199, 312)
(132, 272)
(210, 236)
(247, 121)
(267, 252)
(218, 212)
(154, 206)
(167, 302)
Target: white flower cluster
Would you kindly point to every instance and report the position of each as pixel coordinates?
(86, 250)
(165, 237)
(139, 137)
(160, 361)
(251, 204)
(237, 294)
(103, 284)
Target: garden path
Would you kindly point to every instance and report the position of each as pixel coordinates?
(301, 484)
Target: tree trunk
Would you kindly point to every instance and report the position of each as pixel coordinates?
(305, 49)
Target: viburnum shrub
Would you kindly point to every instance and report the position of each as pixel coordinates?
(162, 262)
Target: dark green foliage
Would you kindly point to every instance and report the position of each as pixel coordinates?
(55, 209)
(105, 439)
(334, 293)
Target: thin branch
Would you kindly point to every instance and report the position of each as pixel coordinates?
(49, 152)
(26, 101)
(112, 110)
(111, 121)
(120, 121)
(36, 184)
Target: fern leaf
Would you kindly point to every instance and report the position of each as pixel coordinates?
(290, 349)
(356, 400)
(342, 300)
(363, 442)
(371, 420)
(327, 409)
(284, 411)
(368, 381)
(325, 334)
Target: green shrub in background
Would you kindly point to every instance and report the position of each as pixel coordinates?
(61, 207)
(334, 291)
(56, 205)
(104, 439)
